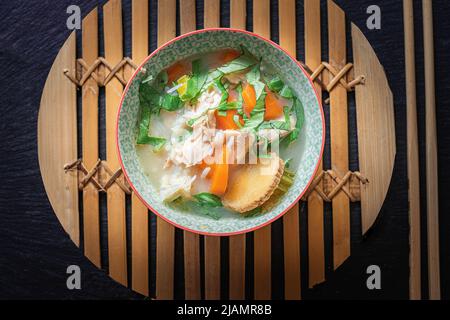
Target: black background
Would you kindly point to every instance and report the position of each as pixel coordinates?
(35, 251)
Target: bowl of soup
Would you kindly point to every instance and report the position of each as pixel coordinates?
(220, 132)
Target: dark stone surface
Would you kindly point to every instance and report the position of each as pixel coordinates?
(35, 251)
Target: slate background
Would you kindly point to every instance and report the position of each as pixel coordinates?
(34, 250)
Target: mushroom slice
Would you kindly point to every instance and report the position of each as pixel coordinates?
(251, 185)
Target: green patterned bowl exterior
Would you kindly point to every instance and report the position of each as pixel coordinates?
(310, 146)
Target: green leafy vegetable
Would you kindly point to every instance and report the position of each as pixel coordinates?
(237, 121)
(279, 125)
(253, 77)
(257, 114)
(240, 101)
(286, 92)
(278, 86)
(219, 85)
(196, 82)
(195, 206)
(241, 63)
(300, 115)
(275, 85)
(171, 102)
(227, 106)
(208, 200)
(143, 137)
(253, 213)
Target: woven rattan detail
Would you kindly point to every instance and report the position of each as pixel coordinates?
(337, 76)
(328, 184)
(101, 176)
(97, 72)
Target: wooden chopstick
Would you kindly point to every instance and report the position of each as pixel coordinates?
(431, 155)
(413, 154)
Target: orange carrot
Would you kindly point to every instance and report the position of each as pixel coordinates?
(229, 55)
(249, 97)
(227, 122)
(177, 70)
(219, 176)
(274, 109)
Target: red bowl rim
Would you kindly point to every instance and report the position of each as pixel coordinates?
(198, 231)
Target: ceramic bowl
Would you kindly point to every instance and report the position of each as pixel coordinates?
(308, 149)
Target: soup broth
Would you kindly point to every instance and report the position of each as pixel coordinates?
(216, 131)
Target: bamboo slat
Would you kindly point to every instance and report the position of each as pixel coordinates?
(57, 140)
(90, 93)
(413, 154)
(238, 9)
(165, 234)
(237, 243)
(117, 247)
(291, 224)
(313, 59)
(139, 218)
(212, 13)
(262, 237)
(376, 128)
(191, 240)
(434, 286)
(339, 134)
(212, 244)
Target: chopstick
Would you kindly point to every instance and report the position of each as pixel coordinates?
(431, 155)
(413, 154)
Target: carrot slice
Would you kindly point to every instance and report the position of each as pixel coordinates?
(274, 109)
(227, 122)
(219, 176)
(230, 55)
(176, 71)
(249, 97)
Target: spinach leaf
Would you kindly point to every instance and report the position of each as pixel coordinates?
(300, 115)
(196, 82)
(254, 74)
(144, 123)
(149, 96)
(278, 86)
(237, 121)
(253, 78)
(228, 106)
(143, 137)
(219, 85)
(156, 142)
(243, 62)
(275, 85)
(286, 92)
(280, 125)
(253, 213)
(171, 102)
(195, 206)
(257, 114)
(211, 78)
(240, 101)
(208, 200)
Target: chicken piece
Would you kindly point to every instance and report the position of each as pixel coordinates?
(250, 186)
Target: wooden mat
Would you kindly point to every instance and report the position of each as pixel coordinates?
(65, 172)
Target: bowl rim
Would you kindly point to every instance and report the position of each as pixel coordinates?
(311, 179)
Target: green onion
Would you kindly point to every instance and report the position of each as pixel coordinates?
(208, 200)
